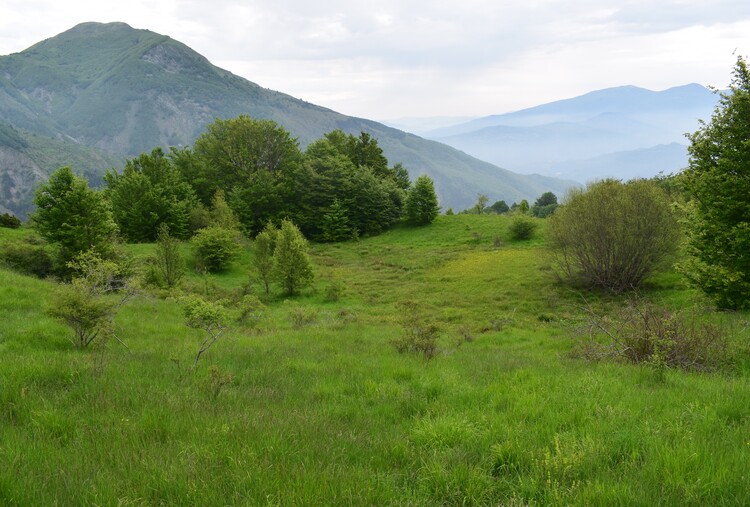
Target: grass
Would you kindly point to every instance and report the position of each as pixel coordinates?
(328, 413)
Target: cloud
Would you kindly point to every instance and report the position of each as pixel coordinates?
(408, 58)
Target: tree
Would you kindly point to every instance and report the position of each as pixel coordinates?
(545, 205)
(546, 199)
(421, 202)
(335, 223)
(149, 192)
(74, 217)
(500, 207)
(256, 162)
(523, 206)
(718, 183)
(612, 235)
(481, 204)
(291, 265)
(265, 244)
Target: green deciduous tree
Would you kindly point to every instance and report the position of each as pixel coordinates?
(73, 217)
(612, 235)
(292, 268)
(718, 183)
(149, 192)
(421, 202)
(265, 244)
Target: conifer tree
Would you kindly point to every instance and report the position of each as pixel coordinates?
(421, 202)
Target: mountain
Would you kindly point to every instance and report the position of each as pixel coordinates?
(101, 92)
(598, 128)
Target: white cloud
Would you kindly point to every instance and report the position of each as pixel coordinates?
(410, 58)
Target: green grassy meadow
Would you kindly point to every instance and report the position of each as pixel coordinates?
(329, 413)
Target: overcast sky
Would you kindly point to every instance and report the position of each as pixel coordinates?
(395, 58)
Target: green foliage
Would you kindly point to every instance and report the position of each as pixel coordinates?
(545, 205)
(169, 265)
(718, 183)
(522, 227)
(265, 244)
(523, 207)
(150, 192)
(83, 304)
(613, 235)
(207, 316)
(419, 334)
(221, 215)
(73, 217)
(9, 221)
(421, 202)
(335, 223)
(214, 248)
(292, 268)
(27, 257)
(500, 207)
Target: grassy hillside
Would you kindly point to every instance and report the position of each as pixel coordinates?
(329, 413)
(126, 91)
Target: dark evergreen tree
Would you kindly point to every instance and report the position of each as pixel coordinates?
(421, 202)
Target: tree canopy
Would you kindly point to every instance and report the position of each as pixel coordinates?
(73, 217)
(718, 183)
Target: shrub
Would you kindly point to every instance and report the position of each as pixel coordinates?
(612, 235)
(334, 291)
(28, 259)
(9, 221)
(208, 316)
(522, 227)
(302, 317)
(215, 248)
(83, 304)
(251, 310)
(168, 262)
(644, 332)
(419, 336)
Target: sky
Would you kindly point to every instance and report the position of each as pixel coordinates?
(392, 59)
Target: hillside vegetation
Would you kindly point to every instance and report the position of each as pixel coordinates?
(308, 402)
(125, 91)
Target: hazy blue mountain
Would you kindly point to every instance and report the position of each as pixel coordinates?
(120, 91)
(424, 125)
(598, 126)
(640, 163)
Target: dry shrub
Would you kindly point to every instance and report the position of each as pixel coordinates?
(419, 335)
(644, 332)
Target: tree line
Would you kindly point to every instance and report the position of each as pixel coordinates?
(241, 174)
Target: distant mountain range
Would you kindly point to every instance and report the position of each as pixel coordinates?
(621, 132)
(99, 93)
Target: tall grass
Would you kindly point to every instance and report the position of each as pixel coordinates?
(329, 413)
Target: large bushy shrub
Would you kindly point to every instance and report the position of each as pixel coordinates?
(612, 235)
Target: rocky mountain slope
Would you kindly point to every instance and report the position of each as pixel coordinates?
(99, 93)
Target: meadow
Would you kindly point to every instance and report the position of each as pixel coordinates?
(310, 403)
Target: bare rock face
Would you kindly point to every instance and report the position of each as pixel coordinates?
(19, 177)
